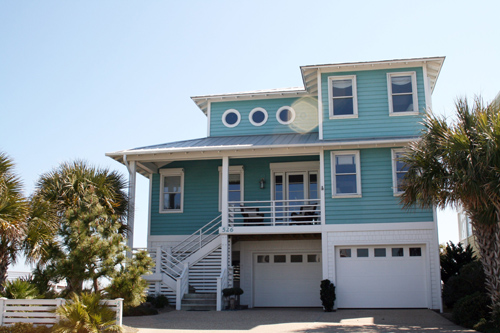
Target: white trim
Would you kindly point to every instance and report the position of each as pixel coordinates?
(414, 89)
(320, 105)
(225, 183)
(354, 96)
(231, 111)
(358, 174)
(294, 166)
(394, 170)
(427, 89)
(171, 172)
(150, 200)
(209, 116)
(322, 187)
(292, 111)
(255, 110)
(233, 169)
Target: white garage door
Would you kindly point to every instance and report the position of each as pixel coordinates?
(381, 277)
(283, 279)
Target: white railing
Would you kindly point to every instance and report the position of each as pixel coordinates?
(222, 283)
(182, 286)
(42, 311)
(275, 213)
(197, 240)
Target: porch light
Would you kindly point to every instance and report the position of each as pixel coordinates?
(262, 183)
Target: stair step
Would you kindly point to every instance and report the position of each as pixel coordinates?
(199, 308)
(204, 296)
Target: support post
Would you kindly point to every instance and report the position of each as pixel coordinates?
(225, 191)
(119, 311)
(225, 252)
(2, 309)
(131, 203)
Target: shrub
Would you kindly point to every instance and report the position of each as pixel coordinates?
(20, 289)
(453, 258)
(158, 301)
(469, 310)
(469, 280)
(24, 328)
(140, 310)
(327, 295)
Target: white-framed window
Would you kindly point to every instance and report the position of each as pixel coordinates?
(342, 96)
(399, 170)
(171, 190)
(231, 118)
(346, 174)
(258, 116)
(402, 90)
(285, 115)
(236, 184)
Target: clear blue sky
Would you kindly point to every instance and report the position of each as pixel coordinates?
(82, 78)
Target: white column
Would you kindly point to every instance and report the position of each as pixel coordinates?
(131, 203)
(225, 191)
(320, 105)
(225, 252)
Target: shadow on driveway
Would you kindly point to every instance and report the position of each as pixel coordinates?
(295, 320)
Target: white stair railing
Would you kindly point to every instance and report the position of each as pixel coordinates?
(182, 286)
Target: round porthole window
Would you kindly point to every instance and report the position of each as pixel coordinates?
(285, 115)
(231, 118)
(258, 116)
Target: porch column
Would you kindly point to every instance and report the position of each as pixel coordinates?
(225, 191)
(131, 166)
(224, 246)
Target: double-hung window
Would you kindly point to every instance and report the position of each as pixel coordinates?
(402, 89)
(342, 96)
(235, 186)
(171, 190)
(399, 170)
(346, 174)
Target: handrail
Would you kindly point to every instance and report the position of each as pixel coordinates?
(221, 284)
(182, 286)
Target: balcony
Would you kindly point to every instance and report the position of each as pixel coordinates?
(274, 213)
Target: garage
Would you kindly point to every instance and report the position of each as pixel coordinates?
(287, 279)
(392, 276)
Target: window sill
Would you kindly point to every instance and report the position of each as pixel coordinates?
(170, 211)
(344, 117)
(346, 196)
(399, 114)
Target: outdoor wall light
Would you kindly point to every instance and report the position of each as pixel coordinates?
(262, 183)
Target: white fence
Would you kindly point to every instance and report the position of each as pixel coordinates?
(42, 311)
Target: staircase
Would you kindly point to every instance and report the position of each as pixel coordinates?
(193, 265)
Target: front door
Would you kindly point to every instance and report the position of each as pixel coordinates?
(291, 191)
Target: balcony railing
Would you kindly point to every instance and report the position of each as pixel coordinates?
(274, 213)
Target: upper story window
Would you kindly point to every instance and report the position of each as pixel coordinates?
(231, 118)
(346, 174)
(235, 186)
(285, 115)
(399, 170)
(402, 89)
(342, 95)
(171, 190)
(258, 116)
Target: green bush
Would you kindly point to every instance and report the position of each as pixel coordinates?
(158, 301)
(140, 310)
(20, 289)
(327, 295)
(24, 328)
(469, 280)
(469, 310)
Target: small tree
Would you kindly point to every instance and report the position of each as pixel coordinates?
(453, 258)
(327, 295)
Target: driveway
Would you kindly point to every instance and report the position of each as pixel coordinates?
(294, 320)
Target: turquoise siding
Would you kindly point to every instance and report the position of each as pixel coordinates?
(201, 192)
(306, 118)
(378, 203)
(373, 108)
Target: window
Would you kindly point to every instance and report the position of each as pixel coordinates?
(263, 259)
(346, 175)
(171, 190)
(342, 96)
(402, 89)
(345, 253)
(399, 170)
(415, 252)
(279, 258)
(313, 258)
(258, 116)
(296, 258)
(379, 252)
(285, 115)
(231, 118)
(235, 184)
(362, 253)
(397, 252)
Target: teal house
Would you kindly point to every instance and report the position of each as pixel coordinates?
(293, 186)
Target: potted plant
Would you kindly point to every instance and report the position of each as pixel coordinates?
(327, 295)
(232, 294)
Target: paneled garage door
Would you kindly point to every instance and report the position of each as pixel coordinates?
(381, 277)
(287, 280)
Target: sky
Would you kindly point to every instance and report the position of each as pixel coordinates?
(79, 79)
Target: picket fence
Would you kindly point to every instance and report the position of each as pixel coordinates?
(42, 311)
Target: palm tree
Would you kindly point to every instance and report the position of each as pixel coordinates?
(13, 212)
(458, 164)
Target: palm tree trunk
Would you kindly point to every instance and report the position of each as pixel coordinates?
(4, 264)
(488, 241)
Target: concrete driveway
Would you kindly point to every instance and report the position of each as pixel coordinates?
(294, 320)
